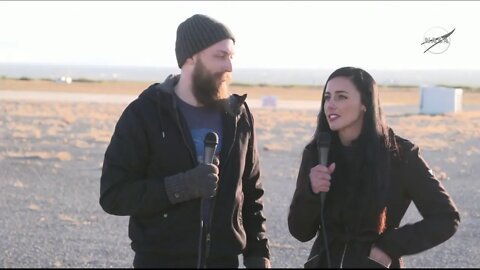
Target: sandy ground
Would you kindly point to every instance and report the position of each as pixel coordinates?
(51, 154)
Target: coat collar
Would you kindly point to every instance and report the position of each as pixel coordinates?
(231, 105)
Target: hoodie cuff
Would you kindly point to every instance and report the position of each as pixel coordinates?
(389, 249)
(256, 262)
(175, 188)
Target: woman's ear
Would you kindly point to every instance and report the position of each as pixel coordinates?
(364, 109)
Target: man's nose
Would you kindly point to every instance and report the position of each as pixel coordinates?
(228, 65)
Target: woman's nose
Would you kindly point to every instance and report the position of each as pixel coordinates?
(330, 105)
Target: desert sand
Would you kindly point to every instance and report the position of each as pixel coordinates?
(51, 153)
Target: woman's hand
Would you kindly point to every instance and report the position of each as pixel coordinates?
(320, 177)
(377, 255)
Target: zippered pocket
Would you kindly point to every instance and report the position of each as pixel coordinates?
(343, 255)
(313, 262)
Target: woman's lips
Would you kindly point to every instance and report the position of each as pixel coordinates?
(332, 117)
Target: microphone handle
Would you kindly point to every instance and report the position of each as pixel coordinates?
(209, 154)
(323, 158)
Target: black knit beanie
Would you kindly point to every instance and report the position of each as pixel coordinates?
(198, 33)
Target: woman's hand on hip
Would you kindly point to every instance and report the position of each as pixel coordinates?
(377, 255)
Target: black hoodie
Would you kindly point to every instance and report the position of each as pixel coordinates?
(152, 141)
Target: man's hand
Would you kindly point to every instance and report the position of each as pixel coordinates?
(199, 182)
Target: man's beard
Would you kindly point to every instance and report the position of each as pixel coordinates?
(209, 88)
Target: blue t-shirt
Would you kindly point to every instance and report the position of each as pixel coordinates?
(202, 120)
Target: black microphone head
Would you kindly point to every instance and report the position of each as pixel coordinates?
(211, 139)
(323, 139)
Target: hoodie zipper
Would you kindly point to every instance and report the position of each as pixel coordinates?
(233, 142)
(212, 207)
(202, 225)
(179, 125)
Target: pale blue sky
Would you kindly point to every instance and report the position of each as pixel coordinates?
(311, 34)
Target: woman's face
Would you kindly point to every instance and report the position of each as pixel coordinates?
(343, 108)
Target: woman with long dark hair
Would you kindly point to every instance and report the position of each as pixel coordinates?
(371, 178)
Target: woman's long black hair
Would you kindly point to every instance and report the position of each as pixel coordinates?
(371, 148)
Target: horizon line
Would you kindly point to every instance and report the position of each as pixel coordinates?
(236, 68)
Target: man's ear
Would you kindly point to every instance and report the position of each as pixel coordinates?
(191, 61)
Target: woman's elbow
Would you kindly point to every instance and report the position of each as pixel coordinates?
(299, 231)
(108, 204)
(447, 226)
(454, 223)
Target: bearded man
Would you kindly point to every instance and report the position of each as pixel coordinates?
(184, 212)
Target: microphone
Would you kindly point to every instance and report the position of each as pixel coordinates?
(323, 145)
(210, 144)
(206, 204)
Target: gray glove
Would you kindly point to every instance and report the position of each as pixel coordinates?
(199, 182)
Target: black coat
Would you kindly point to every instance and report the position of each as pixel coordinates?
(152, 141)
(410, 180)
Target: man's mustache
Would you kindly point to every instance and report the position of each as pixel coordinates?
(223, 77)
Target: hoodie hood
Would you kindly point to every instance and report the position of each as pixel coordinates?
(163, 92)
(167, 87)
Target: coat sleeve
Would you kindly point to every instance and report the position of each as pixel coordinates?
(252, 211)
(124, 188)
(440, 215)
(304, 214)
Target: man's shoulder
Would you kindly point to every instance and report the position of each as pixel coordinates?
(157, 90)
(145, 102)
